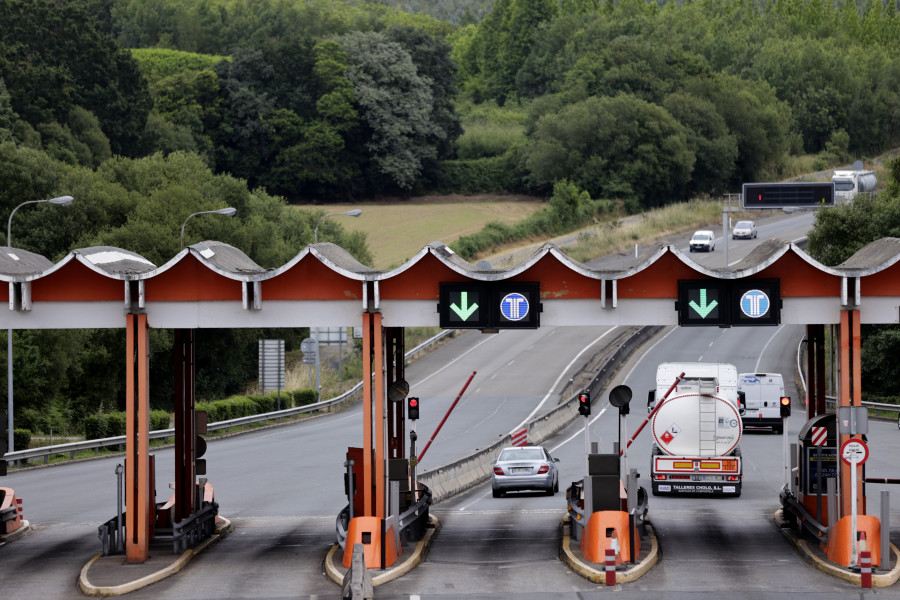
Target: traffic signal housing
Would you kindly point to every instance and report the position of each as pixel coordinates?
(584, 403)
(785, 405)
(412, 408)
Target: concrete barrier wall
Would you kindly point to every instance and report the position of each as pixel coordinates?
(458, 476)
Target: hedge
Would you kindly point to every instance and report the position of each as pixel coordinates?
(21, 439)
(105, 425)
(480, 175)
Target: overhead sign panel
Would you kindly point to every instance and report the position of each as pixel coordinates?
(702, 302)
(724, 303)
(490, 305)
(756, 302)
(516, 305)
(788, 195)
(464, 305)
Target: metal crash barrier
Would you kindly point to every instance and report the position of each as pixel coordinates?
(196, 528)
(413, 522)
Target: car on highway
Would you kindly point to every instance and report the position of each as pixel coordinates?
(703, 240)
(525, 468)
(745, 230)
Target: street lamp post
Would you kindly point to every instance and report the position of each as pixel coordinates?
(228, 212)
(61, 201)
(315, 330)
(350, 213)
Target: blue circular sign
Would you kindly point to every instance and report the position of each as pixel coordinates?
(514, 306)
(755, 304)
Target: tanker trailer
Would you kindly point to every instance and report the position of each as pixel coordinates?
(696, 430)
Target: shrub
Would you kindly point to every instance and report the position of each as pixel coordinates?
(104, 425)
(159, 419)
(21, 438)
(304, 397)
(480, 175)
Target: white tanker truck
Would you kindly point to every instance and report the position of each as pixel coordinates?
(696, 430)
(848, 184)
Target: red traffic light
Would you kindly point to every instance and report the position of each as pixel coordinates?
(584, 403)
(412, 408)
(785, 406)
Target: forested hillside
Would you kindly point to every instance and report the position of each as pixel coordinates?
(148, 110)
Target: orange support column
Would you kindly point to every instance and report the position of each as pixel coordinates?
(367, 416)
(379, 419)
(373, 416)
(850, 395)
(137, 446)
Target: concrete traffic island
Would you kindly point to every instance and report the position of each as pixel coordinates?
(570, 553)
(112, 576)
(814, 555)
(407, 561)
(23, 530)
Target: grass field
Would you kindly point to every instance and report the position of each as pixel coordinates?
(396, 232)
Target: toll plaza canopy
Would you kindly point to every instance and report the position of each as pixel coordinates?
(212, 284)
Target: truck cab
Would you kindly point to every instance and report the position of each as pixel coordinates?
(762, 395)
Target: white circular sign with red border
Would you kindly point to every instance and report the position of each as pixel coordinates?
(854, 452)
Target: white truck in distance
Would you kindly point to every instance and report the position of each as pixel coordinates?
(696, 430)
(762, 400)
(848, 184)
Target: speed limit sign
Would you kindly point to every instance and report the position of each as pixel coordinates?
(854, 452)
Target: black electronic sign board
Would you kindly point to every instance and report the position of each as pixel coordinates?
(788, 195)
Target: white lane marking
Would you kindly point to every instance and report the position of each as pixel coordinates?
(472, 349)
(627, 377)
(763, 352)
(561, 375)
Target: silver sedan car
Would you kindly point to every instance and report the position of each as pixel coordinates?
(744, 229)
(525, 468)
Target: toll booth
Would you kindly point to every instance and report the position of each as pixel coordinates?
(817, 461)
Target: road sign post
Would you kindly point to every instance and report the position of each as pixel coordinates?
(854, 452)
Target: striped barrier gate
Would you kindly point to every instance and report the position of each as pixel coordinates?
(520, 438)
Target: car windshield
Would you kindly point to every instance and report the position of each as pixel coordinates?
(744, 225)
(701, 236)
(522, 454)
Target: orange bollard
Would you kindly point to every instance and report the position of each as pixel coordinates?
(610, 566)
(865, 568)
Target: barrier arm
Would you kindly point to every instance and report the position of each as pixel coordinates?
(652, 412)
(449, 410)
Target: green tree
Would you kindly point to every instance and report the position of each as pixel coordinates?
(613, 147)
(395, 103)
(238, 129)
(7, 114)
(55, 56)
(503, 42)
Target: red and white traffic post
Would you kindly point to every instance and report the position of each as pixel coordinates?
(854, 452)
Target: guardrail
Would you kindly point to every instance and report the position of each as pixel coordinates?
(350, 395)
(830, 402)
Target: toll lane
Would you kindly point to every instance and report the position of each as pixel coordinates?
(710, 545)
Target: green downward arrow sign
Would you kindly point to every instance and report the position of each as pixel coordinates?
(465, 310)
(703, 309)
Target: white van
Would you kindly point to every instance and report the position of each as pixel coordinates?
(762, 397)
